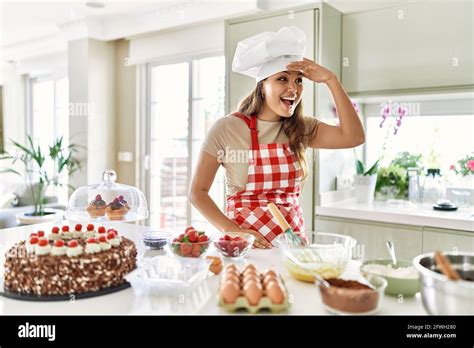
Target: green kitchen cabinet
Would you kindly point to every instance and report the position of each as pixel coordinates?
(419, 45)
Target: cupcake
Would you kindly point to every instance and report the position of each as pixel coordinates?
(124, 202)
(116, 210)
(96, 207)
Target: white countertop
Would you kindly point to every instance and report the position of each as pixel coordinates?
(304, 296)
(406, 213)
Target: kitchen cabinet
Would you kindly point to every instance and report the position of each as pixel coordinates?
(447, 240)
(372, 236)
(322, 26)
(410, 46)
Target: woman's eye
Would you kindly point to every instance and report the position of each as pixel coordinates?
(282, 79)
(300, 81)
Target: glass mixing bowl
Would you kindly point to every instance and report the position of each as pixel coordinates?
(326, 254)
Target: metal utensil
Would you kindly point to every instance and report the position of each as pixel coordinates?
(391, 251)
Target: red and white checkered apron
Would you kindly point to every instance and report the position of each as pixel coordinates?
(274, 175)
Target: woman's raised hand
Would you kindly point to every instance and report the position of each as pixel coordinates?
(311, 70)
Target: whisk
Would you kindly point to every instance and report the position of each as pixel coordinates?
(297, 246)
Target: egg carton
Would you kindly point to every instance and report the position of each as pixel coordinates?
(265, 303)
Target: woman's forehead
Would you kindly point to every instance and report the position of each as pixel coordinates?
(294, 73)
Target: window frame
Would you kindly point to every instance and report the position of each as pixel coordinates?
(145, 72)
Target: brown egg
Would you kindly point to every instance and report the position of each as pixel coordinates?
(250, 271)
(229, 292)
(268, 278)
(232, 277)
(250, 266)
(253, 292)
(269, 272)
(231, 267)
(216, 269)
(275, 292)
(250, 277)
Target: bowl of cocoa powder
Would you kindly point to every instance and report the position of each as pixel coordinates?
(353, 297)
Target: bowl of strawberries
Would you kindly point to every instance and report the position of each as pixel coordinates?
(191, 243)
(234, 244)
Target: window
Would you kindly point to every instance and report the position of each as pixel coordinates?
(50, 118)
(441, 134)
(186, 98)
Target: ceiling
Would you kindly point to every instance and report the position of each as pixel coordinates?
(24, 21)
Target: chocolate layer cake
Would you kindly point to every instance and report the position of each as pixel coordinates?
(30, 271)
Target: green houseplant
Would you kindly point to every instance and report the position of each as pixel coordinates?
(392, 181)
(38, 174)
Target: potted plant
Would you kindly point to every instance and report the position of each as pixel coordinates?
(464, 170)
(364, 182)
(38, 173)
(392, 181)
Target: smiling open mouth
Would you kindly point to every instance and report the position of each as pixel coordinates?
(288, 101)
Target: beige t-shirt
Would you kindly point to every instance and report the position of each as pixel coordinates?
(229, 141)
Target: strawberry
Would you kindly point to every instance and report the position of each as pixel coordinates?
(43, 242)
(193, 236)
(227, 237)
(110, 235)
(189, 229)
(91, 240)
(102, 239)
(34, 240)
(185, 249)
(55, 229)
(65, 228)
(101, 229)
(72, 244)
(202, 238)
(40, 233)
(33, 235)
(98, 198)
(78, 227)
(181, 237)
(58, 243)
(196, 252)
(90, 227)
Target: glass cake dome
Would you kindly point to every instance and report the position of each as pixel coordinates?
(107, 201)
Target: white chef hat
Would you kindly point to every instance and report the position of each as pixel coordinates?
(268, 53)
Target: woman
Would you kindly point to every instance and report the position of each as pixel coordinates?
(270, 129)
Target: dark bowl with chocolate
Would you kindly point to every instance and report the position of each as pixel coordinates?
(353, 297)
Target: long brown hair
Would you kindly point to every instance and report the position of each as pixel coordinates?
(294, 127)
